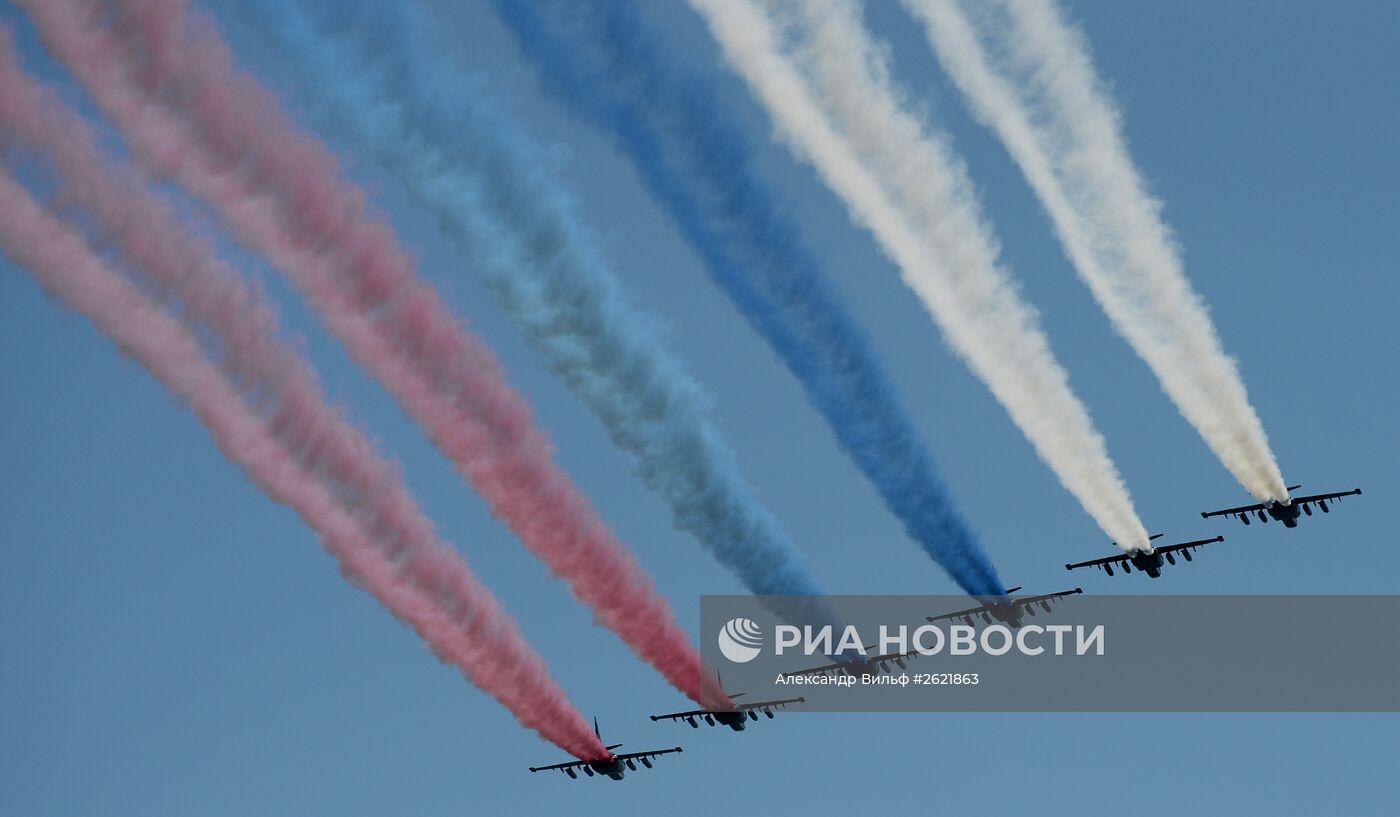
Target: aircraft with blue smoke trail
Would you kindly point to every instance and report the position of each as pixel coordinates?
(1148, 561)
(1009, 610)
(1286, 512)
(736, 718)
(615, 766)
(1006, 608)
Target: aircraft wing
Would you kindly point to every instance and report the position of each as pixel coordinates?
(676, 716)
(647, 755)
(822, 670)
(1189, 545)
(575, 764)
(1107, 560)
(971, 611)
(1233, 511)
(1302, 500)
(1049, 596)
(770, 704)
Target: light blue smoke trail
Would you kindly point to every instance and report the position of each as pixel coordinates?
(375, 80)
(598, 57)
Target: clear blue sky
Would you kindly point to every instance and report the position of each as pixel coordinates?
(173, 643)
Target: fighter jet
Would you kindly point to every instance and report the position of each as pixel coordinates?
(736, 718)
(1286, 512)
(859, 665)
(612, 767)
(1003, 608)
(1007, 609)
(1148, 561)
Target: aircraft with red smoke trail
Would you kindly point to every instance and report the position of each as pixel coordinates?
(1286, 512)
(736, 718)
(615, 766)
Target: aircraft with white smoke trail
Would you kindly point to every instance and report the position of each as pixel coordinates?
(615, 766)
(1146, 561)
(736, 718)
(1288, 512)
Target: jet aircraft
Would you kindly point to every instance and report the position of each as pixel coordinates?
(858, 665)
(1288, 513)
(614, 766)
(1003, 608)
(1007, 609)
(1147, 561)
(736, 718)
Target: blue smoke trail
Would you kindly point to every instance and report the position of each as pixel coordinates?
(599, 59)
(374, 79)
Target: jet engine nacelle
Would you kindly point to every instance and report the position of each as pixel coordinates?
(571, 773)
(646, 761)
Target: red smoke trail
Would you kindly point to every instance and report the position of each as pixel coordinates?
(189, 114)
(478, 637)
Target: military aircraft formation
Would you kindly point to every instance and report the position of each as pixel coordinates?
(1007, 609)
(616, 766)
(1151, 560)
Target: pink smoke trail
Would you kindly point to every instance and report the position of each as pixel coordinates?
(480, 639)
(169, 84)
(386, 544)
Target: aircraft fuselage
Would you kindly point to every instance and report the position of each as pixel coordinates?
(1149, 563)
(734, 720)
(1287, 514)
(608, 768)
(1008, 614)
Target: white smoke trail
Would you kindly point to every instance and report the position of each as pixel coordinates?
(1046, 103)
(902, 182)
